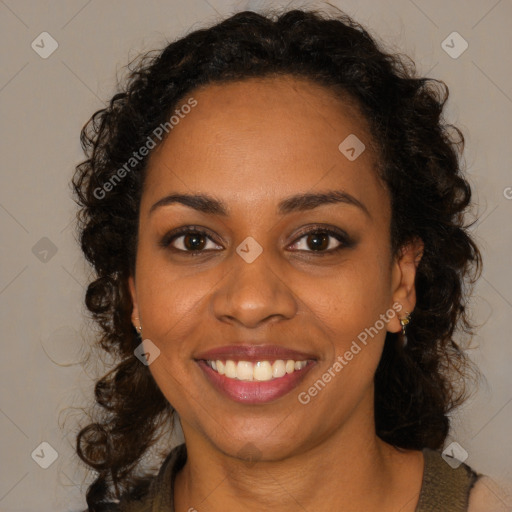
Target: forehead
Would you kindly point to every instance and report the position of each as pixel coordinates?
(267, 137)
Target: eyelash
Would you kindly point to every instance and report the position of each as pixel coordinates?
(340, 236)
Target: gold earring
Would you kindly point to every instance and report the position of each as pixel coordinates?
(404, 321)
(139, 328)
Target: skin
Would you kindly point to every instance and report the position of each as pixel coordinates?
(251, 155)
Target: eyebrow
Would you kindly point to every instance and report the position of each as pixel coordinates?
(297, 203)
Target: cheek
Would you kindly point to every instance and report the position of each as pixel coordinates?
(348, 311)
(169, 302)
(171, 309)
(352, 299)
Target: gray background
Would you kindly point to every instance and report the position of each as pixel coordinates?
(44, 104)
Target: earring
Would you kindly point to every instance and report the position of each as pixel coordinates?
(404, 321)
(139, 329)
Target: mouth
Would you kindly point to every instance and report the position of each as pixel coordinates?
(255, 382)
(255, 371)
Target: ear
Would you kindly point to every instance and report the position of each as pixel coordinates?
(403, 277)
(135, 311)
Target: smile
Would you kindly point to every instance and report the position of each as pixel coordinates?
(257, 370)
(256, 382)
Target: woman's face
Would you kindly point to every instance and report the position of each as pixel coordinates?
(265, 273)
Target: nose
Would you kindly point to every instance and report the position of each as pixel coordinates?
(253, 293)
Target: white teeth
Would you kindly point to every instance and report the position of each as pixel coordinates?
(244, 370)
(278, 369)
(262, 370)
(230, 369)
(258, 371)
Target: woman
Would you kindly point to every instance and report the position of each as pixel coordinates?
(274, 210)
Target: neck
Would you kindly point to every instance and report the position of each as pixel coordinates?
(351, 470)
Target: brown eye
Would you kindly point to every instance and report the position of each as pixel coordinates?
(322, 241)
(194, 241)
(318, 241)
(189, 240)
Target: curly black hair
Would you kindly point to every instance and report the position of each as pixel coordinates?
(419, 161)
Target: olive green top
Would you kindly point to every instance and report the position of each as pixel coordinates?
(443, 488)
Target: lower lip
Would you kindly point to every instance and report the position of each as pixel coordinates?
(255, 392)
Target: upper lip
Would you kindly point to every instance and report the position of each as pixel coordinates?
(248, 352)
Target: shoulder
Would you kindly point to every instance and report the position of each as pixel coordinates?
(161, 489)
(490, 495)
(446, 484)
(451, 485)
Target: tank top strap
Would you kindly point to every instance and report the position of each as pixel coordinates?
(444, 487)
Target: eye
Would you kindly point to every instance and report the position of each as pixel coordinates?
(317, 240)
(189, 239)
(322, 240)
